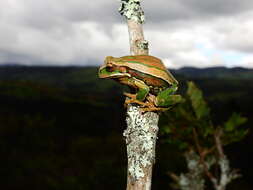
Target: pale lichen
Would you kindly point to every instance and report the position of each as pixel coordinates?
(141, 137)
(194, 178)
(132, 10)
(227, 175)
(143, 44)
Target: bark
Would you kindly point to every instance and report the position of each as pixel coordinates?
(138, 46)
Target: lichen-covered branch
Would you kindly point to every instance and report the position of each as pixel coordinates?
(141, 132)
(132, 11)
(141, 135)
(226, 176)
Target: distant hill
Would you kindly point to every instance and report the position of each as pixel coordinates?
(216, 72)
(80, 78)
(79, 74)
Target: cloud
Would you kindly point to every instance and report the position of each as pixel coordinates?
(80, 44)
(237, 33)
(163, 11)
(183, 33)
(247, 62)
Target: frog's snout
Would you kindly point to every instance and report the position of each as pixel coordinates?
(107, 62)
(108, 59)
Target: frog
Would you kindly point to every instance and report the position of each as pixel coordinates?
(153, 85)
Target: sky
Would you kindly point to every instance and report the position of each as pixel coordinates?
(197, 33)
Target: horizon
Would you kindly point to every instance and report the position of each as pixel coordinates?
(86, 66)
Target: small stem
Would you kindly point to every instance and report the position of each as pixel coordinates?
(218, 143)
(202, 156)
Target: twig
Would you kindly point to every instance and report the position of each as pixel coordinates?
(217, 139)
(202, 155)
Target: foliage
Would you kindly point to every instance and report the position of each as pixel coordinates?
(192, 129)
(195, 114)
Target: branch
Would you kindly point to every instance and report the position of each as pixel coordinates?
(141, 133)
(132, 11)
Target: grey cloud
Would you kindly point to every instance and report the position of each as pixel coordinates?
(164, 11)
(235, 33)
(45, 14)
(218, 7)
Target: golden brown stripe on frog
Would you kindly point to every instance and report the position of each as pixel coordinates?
(147, 60)
(162, 74)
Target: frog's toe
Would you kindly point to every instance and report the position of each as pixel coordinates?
(153, 109)
(132, 96)
(146, 104)
(151, 99)
(134, 101)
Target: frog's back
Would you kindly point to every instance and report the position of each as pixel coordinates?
(150, 65)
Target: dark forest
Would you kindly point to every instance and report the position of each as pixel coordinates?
(61, 127)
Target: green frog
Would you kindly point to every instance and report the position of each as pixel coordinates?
(154, 85)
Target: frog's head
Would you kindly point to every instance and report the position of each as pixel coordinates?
(112, 68)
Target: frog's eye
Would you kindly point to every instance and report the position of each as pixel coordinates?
(109, 69)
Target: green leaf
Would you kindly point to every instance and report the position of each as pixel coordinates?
(166, 130)
(235, 136)
(241, 134)
(182, 145)
(198, 103)
(208, 130)
(234, 121)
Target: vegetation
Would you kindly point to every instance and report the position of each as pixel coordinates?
(61, 128)
(190, 127)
